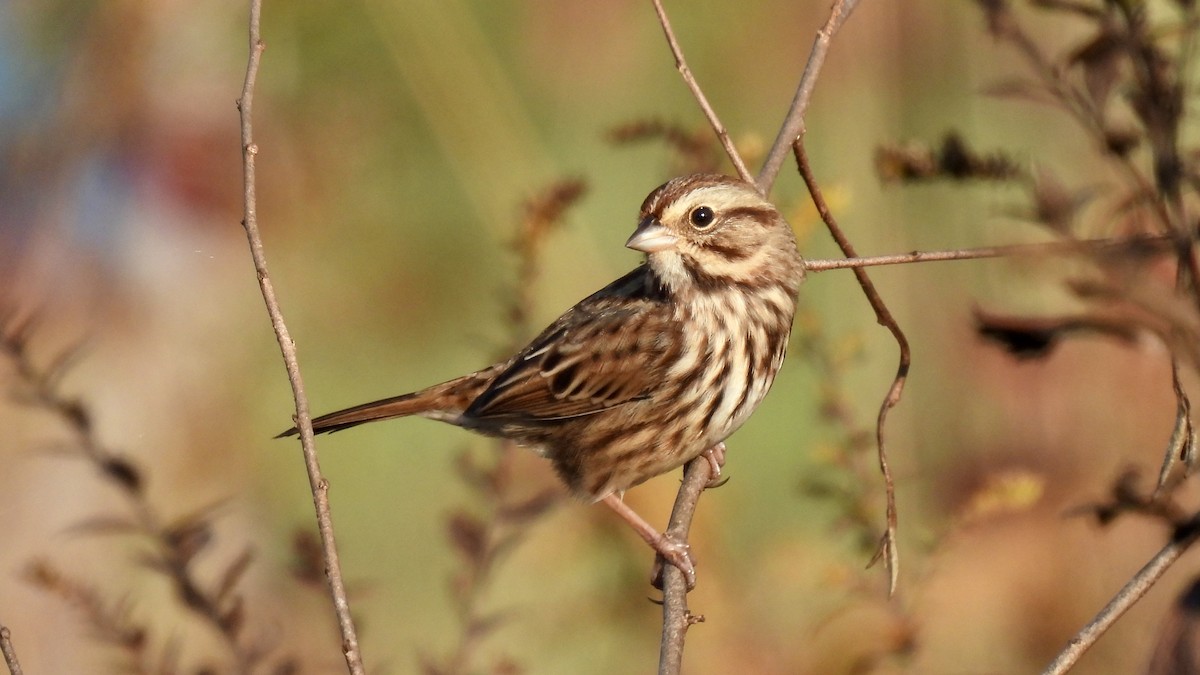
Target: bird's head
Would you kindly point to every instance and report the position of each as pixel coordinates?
(712, 231)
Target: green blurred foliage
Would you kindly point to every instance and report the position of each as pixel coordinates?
(397, 142)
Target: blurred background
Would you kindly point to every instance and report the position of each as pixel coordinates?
(398, 141)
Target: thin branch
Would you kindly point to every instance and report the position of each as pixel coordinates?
(1148, 243)
(317, 483)
(676, 616)
(793, 124)
(10, 653)
(1185, 536)
(887, 545)
(686, 72)
(1182, 444)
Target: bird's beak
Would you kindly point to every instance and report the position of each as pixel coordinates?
(651, 237)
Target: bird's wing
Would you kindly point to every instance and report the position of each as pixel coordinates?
(604, 352)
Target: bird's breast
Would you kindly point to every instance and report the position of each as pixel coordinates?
(734, 344)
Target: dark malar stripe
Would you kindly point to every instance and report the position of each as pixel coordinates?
(731, 253)
(710, 283)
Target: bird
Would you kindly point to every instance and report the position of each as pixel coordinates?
(653, 370)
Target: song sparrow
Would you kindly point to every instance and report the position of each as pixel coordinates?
(652, 370)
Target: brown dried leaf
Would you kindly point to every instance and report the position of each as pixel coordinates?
(1101, 59)
(234, 617)
(544, 212)
(1122, 141)
(1054, 205)
(233, 573)
(475, 474)
(482, 626)
(106, 525)
(191, 533)
(187, 539)
(1085, 9)
(1036, 337)
(532, 508)
(308, 559)
(1020, 89)
(468, 534)
(1172, 317)
(954, 159)
(123, 472)
(696, 150)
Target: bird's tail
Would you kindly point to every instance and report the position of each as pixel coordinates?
(396, 406)
(444, 402)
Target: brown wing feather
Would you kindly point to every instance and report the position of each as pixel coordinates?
(603, 353)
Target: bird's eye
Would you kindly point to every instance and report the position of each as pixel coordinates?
(702, 217)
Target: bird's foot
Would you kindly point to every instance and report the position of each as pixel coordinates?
(676, 554)
(716, 459)
(668, 549)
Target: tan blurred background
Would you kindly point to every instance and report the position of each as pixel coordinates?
(397, 140)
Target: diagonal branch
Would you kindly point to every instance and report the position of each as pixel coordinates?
(1185, 536)
(686, 72)
(317, 482)
(887, 545)
(793, 124)
(9, 652)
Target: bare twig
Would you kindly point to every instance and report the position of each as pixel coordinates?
(1182, 445)
(686, 72)
(676, 616)
(10, 653)
(793, 124)
(887, 545)
(1185, 536)
(317, 482)
(1149, 243)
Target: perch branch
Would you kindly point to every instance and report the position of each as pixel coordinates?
(317, 483)
(676, 616)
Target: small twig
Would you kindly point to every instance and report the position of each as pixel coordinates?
(1150, 243)
(10, 653)
(1182, 445)
(793, 124)
(1185, 536)
(676, 617)
(887, 545)
(317, 482)
(686, 72)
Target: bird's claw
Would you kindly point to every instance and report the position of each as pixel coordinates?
(716, 459)
(678, 556)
